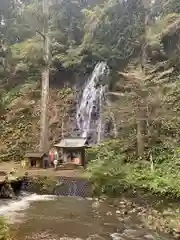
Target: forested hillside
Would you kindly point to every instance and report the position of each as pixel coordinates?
(139, 39)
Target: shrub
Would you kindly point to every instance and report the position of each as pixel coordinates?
(110, 173)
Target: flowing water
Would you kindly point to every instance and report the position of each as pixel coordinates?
(88, 116)
(35, 216)
(11, 209)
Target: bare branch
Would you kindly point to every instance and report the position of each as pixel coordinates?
(40, 33)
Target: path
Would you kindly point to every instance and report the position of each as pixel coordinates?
(8, 166)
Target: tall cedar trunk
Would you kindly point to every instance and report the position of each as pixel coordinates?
(140, 122)
(43, 146)
(44, 107)
(70, 34)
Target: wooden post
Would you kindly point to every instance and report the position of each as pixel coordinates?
(83, 155)
(62, 127)
(64, 156)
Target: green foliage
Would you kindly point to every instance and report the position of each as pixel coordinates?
(171, 6)
(79, 33)
(110, 172)
(154, 32)
(17, 125)
(126, 30)
(7, 98)
(43, 184)
(29, 52)
(4, 230)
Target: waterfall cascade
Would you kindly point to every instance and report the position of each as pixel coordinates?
(88, 117)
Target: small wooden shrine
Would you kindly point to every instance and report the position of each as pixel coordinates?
(73, 150)
(35, 159)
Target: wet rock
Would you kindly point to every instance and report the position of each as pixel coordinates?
(45, 235)
(116, 236)
(109, 213)
(118, 212)
(167, 213)
(149, 237)
(132, 211)
(7, 191)
(127, 218)
(131, 204)
(131, 233)
(103, 198)
(176, 235)
(95, 204)
(124, 212)
(123, 206)
(95, 237)
(120, 219)
(89, 198)
(154, 212)
(176, 231)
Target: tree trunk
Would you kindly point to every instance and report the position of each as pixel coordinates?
(45, 82)
(140, 122)
(140, 126)
(140, 137)
(44, 107)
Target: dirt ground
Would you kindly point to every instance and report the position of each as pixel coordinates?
(8, 166)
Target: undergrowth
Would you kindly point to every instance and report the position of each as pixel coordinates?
(112, 172)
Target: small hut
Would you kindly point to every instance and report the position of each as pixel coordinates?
(73, 150)
(35, 159)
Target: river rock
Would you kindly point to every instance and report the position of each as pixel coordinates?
(116, 236)
(95, 204)
(132, 211)
(177, 230)
(118, 212)
(7, 191)
(131, 233)
(168, 213)
(89, 198)
(149, 237)
(109, 213)
(124, 212)
(120, 219)
(95, 237)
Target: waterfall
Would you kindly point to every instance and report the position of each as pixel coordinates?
(88, 117)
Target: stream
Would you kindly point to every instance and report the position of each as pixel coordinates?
(34, 216)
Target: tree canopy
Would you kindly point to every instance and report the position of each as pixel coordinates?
(134, 36)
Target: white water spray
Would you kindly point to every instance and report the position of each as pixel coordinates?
(11, 209)
(89, 112)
